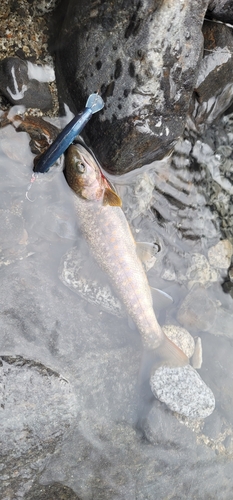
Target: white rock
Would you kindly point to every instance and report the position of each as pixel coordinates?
(220, 254)
(183, 391)
(200, 271)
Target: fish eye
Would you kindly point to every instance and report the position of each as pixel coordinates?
(80, 167)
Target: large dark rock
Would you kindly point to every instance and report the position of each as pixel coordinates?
(143, 57)
(222, 10)
(214, 86)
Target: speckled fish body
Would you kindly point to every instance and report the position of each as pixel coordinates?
(108, 234)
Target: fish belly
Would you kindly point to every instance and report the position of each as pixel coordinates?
(107, 232)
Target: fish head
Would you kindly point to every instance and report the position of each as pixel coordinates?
(82, 173)
(86, 179)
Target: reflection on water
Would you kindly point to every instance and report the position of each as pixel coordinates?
(171, 203)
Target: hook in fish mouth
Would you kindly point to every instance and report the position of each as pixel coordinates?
(33, 178)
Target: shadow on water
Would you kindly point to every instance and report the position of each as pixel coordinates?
(112, 450)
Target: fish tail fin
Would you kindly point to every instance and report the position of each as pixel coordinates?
(170, 354)
(166, 354)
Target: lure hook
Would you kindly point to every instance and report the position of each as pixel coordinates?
(33, 178)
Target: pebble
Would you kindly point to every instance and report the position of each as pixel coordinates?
(220, 254)
(183, 391)
(200, 271)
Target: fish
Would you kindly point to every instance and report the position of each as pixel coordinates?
(43, 163)
(108, 235)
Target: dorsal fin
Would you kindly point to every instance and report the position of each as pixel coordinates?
(111, 198)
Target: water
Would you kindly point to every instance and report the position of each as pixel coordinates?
(116, 441)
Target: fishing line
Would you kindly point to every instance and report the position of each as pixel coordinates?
(33, 179)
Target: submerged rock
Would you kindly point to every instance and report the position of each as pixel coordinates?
(214, 86)
(145, 76)
(37, 406)
(161, 427)
(74, 272)
(200, 311)
(183, 391)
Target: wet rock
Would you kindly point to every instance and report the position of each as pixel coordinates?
(213, 425)
(42, 133)
(19, 85)
(221, 9)
(230, 273)
(37, 407)
(183, 391)
(227, 442)
(220, 255)
(162, 428)
(54, 491)
(217, 167)
(200, 311)
(214, 84)
(42, 6)
(218, 372)
(181, 337)
(145, 77)
(199, 271)
(155, 472)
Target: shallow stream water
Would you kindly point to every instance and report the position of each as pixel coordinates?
(81, 421)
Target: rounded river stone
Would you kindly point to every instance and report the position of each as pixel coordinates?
(183, 391)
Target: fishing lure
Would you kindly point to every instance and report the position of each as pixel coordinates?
(94, 104)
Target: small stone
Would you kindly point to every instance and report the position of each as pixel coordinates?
(168, 274)
(200, 271)
(183, 391)
(220, 254)
(181, 337)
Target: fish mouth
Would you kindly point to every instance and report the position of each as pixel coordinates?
(80, 141)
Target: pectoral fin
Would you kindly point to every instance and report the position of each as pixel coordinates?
(196, 360)
(111, 198)
(161, 300)
(147, 253)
